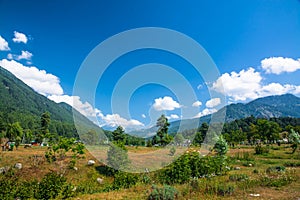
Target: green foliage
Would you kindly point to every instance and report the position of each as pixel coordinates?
(163, 193)
(200, 134)
(117, 156)
(259, 149)
(162, 133)
(238, 177)
(13, 131)
(275, 169)
(124, 180)
(54, 185)
(192, 165)
(59, 149)
(294, 139)
(221, 146)
(51, 186)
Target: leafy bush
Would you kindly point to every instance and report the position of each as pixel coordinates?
(163, 193)
(52, 186)
(259, 149)
(192, 165)
(275, 169)
(238, 177)
(124, 180)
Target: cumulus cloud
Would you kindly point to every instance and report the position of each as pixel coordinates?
(173, 116)
(3, 44)
(114, 120)
(41, 81)
(205, 112)
(25, 55)
(20, 37)
(239, 86)
(84, 108)
(197, 104)
(213, 102)
(247, 85)
(143, 116)
(165, 103)
(278, 65)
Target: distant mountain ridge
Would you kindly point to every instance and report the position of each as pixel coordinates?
(286, 105)
(21, 103)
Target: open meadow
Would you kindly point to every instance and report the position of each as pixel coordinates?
(273, 175)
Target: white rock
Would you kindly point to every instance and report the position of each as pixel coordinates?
(91, 162)
(237, 168)
(255, 195)
(250, 165)
(18, 165)
(75, 168)
(100, 180)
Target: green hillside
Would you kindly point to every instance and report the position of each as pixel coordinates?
(21, 103)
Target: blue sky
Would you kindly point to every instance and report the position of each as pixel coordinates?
(255, 44)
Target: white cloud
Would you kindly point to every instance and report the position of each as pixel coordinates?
(173, 116)
(213, 102)
(41, 81)
(278, 89)
(25, 55)
(84, 108)
(10, 56)
(239, 86)
(114, 120)
(3, 44)
(278, 65)
(165, 103)
(197, 104)
(205, 112)
(20, 37)
(247, 85)
(143, 116)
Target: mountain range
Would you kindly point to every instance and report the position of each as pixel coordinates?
(21, 103)
(286, 105)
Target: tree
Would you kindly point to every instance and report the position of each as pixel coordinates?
(294, 138)
(14, 133)
(118, 134)
(45, 121)
(201, 134)
(117, 156)
(221, 146)
(162, 132)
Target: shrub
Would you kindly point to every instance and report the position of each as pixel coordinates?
(275, 169)
(238, 177)
(163, 193)
(259, 149)
(124, 180)
(52, 186)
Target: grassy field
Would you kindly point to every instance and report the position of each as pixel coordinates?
(247, 177)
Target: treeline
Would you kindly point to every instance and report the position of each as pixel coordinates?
(249, 130)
